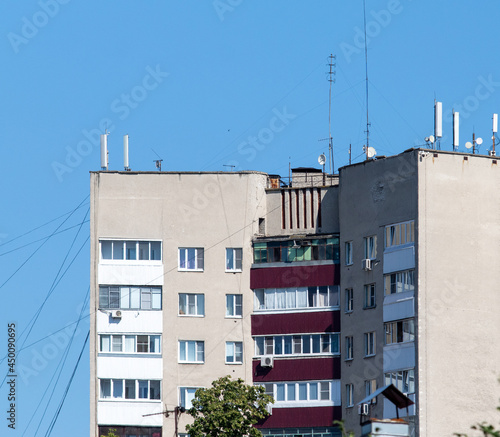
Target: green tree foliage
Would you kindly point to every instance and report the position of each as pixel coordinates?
(229, 408)
(110, 433)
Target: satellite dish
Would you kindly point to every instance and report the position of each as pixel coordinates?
(371, 152)
(468, 144)
(322, 159)
(431, 138)
(479, 141)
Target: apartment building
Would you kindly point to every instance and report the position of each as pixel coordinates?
(322, 289)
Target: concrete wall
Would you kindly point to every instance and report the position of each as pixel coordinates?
(458, 302)
(209, 210)
(373, 194)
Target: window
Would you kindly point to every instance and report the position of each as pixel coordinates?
(191, 258)
(399, 282)
(306, 344)
(349, 395)
(296, 250)
(130, 389)
(234, 305)
(130, 250)
(369, 296)
(399, 234)
(293, 298)
(186, 395)
(404, 380)
(234, 259)
(349, 349)
(191, 304)
(305, 391)
(401, 331)
(369, 344)
(371, 387)
(234, 352)
(370, 247)
(191, 351)
(348, 253)
(129, 344)
(124, 297)
(349, 300)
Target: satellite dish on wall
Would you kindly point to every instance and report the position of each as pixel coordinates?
(322, 159)
(371, 152)
(468, 145)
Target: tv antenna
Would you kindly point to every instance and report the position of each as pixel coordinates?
(366, 68)
(331, 79)
(157, 161)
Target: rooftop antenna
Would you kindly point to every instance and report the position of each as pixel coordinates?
(495, 130)
(125, 153)
(331, 79)
(229, 165)
(366, 67)
(456, 130)
(104, 150)
(157, 161)
(438, 123)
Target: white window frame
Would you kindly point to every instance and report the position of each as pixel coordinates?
(151, 340)
(349, 348)
(123, 298)
(199, 351)
(316, 344)
(136, 385)
(349, 395)
(298, 298)
(184, 400)
(399, 234)
(119, 247)
(370, 344)
(349, 300)
(198, 257)
(403, 329)
(402, 379)
(234, 259)
(292, 394)
(233, 355)
(348, 253)
(370, 245)
(370, 300)
(234, 306)
(199, 304)
(399, 282)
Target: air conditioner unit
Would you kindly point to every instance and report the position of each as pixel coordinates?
(267, 361)
(363, 409)
(367, 264)
(116, 314)
(269, 408)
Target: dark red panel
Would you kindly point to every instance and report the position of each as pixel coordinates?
(302, 417)
(295, 276)
(295, 323)
(302, 369)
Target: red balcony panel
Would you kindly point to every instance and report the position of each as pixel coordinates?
(301, 417)
(299, 369)
(295, 276)
(295, 323)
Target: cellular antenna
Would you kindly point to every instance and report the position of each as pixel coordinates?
(104, 151)
(438, 123)
(456, 130)
(366, 68)
(125, 153)
(331, 79)
(495, 130)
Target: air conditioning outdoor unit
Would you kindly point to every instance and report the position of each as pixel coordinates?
(269, 408)
(267, 361)
(363, 409)
(367, 264)
(116, 314)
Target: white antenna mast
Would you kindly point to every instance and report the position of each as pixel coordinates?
(330, 141)
(125, 153)
(104, 150)
(456, 130)
(366, 67)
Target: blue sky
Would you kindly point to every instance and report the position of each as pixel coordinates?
(204, 85)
